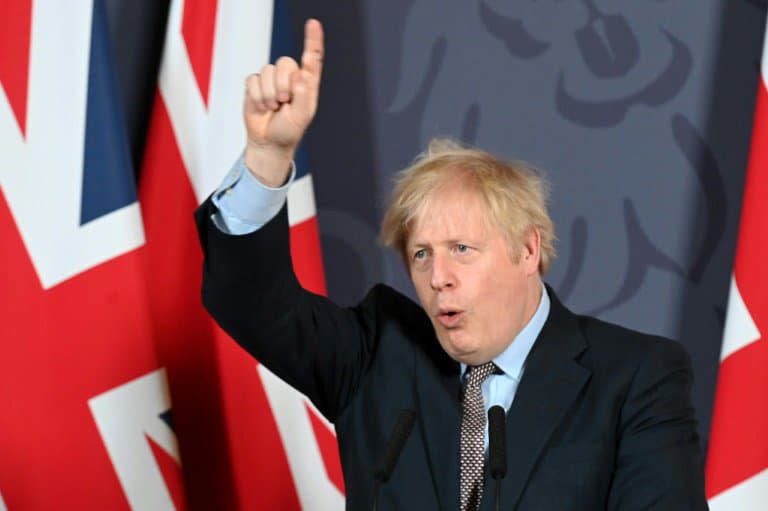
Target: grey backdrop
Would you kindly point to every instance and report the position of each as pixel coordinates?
(638, 111)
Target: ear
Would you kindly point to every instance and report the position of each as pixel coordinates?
(531, 251)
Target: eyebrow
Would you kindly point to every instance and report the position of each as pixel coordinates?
(452, 241)
(416, 246)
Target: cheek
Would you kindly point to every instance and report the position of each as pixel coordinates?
(488, 303)
(501, 296)
(500, 311)
(494, 288)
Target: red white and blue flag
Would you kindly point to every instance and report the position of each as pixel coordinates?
(248, 440)
(737, 459)
(85, 421)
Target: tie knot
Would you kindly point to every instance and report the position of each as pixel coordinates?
(476, 375)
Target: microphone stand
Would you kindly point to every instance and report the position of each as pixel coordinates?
(376, 484)
(497, 448)
(394, 446)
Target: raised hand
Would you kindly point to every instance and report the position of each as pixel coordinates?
(280, 102)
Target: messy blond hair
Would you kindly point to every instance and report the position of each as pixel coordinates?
(514, 192)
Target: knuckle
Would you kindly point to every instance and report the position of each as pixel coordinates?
(316, 53)
(285, 62)
(253, 94)
(252, 84)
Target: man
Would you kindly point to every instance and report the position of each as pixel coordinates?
(598, 417)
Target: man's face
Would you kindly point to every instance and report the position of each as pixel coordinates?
(476, 296)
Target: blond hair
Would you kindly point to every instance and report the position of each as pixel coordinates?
(514, 192)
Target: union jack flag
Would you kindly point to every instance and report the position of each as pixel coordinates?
(84, 406)
(248, 440)
(737, 460)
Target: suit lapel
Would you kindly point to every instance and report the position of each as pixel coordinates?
(551, 383)
(437, 388)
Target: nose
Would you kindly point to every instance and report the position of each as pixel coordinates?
(442, 276)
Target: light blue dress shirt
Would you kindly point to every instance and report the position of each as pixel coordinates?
(245, 204)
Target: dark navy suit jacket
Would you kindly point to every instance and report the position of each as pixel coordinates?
(602, 418)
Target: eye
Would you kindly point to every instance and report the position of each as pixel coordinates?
(420, 254)
(462, 249)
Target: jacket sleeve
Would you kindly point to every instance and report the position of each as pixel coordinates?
(658, 462)
(250, 289)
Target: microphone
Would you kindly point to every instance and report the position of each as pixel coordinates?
(397, 439)
(497, 448)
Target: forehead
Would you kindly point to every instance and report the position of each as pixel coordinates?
(454, 210)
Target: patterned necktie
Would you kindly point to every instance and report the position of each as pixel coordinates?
(473, 436)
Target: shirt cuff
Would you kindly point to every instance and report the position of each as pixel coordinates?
(244, 203)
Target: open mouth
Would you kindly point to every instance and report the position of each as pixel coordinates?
(450, 318)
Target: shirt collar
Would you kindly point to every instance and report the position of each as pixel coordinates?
(512, 360)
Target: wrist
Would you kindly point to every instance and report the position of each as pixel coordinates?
(269, 164)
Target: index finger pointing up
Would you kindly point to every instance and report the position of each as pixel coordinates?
(314, 49)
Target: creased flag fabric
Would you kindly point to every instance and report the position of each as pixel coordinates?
(248, 440)
(85, 420)
(737, 460)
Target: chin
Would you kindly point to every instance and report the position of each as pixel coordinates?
(461, 350)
